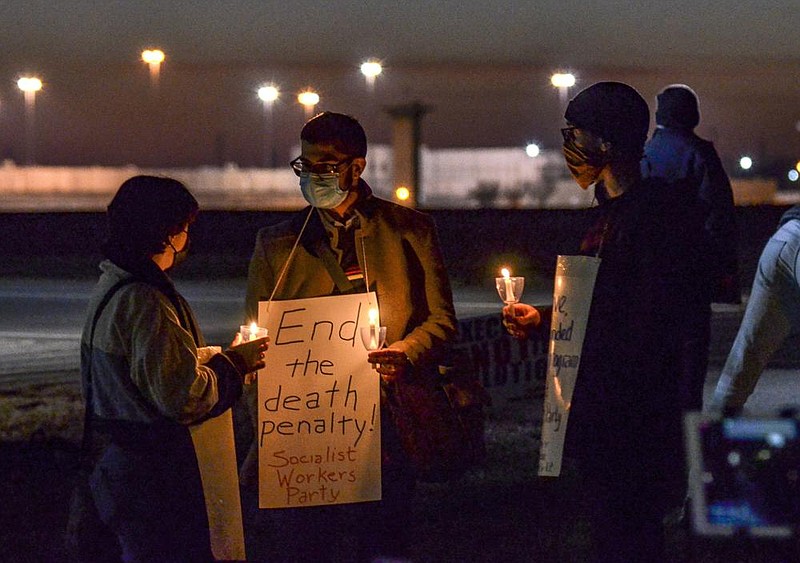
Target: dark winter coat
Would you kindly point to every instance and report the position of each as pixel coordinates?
(692, 164)
(651, 273)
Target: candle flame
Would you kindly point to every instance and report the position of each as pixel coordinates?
(253, 328)
(505, 273)
(373, 316)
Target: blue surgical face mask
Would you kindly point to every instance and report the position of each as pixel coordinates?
(322, 190)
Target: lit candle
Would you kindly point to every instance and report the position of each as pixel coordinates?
(253, 331)
(373, 329)
(509, 286)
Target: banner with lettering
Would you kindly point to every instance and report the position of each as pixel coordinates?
(510, 370)
(572, 298)
(319, 404)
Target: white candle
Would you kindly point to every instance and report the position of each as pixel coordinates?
(373, 329)
(509, 285)
(253, 331)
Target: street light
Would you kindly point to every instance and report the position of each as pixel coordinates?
(154, 58)
(563, 81)
(532, 150)
(371, 69)
(268, 94)
(745, 163)
(308, 99)
(29, 86)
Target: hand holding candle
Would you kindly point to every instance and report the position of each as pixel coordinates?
(391, 363)
(519, 319)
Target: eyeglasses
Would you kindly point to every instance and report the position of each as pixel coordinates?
(301, 168)
(568, 133)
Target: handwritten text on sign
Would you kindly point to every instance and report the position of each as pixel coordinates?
(572, 298)
(319, 405)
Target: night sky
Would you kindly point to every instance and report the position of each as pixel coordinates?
(483, 67)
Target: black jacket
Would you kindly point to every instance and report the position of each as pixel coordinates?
(692, 164)
(651, 274)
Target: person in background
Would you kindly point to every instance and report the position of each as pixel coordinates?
(372, 245)
(147, 376)
(624, 424)
(676, 154)
(772, 314)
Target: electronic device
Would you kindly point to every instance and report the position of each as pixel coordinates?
(744, 475)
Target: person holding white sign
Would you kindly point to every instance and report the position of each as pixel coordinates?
(349, 241)
(147, 376)
(624, 427)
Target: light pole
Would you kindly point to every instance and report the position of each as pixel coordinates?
(371, 69)
(563, 81)
(154, 58)
(308, 99)
(268, 94)
(29, 86)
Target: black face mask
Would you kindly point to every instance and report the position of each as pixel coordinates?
(584, 166)
(181, 255)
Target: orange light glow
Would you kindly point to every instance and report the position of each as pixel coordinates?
(308, 98)
(153, 56)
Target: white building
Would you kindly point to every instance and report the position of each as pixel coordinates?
(450, 178)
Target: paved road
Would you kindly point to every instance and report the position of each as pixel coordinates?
(41, 320)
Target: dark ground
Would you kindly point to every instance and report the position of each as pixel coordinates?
(501, 513)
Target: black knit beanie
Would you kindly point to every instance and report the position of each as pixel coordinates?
(677, 107)
(614, 111)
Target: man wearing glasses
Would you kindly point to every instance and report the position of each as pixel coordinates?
(351, 242)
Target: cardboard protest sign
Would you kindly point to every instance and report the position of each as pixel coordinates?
(572, 298)
(216, 458)
(318, 404)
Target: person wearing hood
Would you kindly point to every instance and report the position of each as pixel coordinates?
(676, 154)
(375, 245)
(624, 428)
(772, 314)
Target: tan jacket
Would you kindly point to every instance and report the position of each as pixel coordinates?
(398, 250)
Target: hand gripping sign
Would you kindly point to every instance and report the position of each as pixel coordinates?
(318, 405)
(572, 298)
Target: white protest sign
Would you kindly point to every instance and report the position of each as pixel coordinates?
(216, 458)
(572, 298)
(318, 404)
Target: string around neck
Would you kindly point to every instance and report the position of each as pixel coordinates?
(285, 266)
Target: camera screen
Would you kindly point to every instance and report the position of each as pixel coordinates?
(744, 475)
